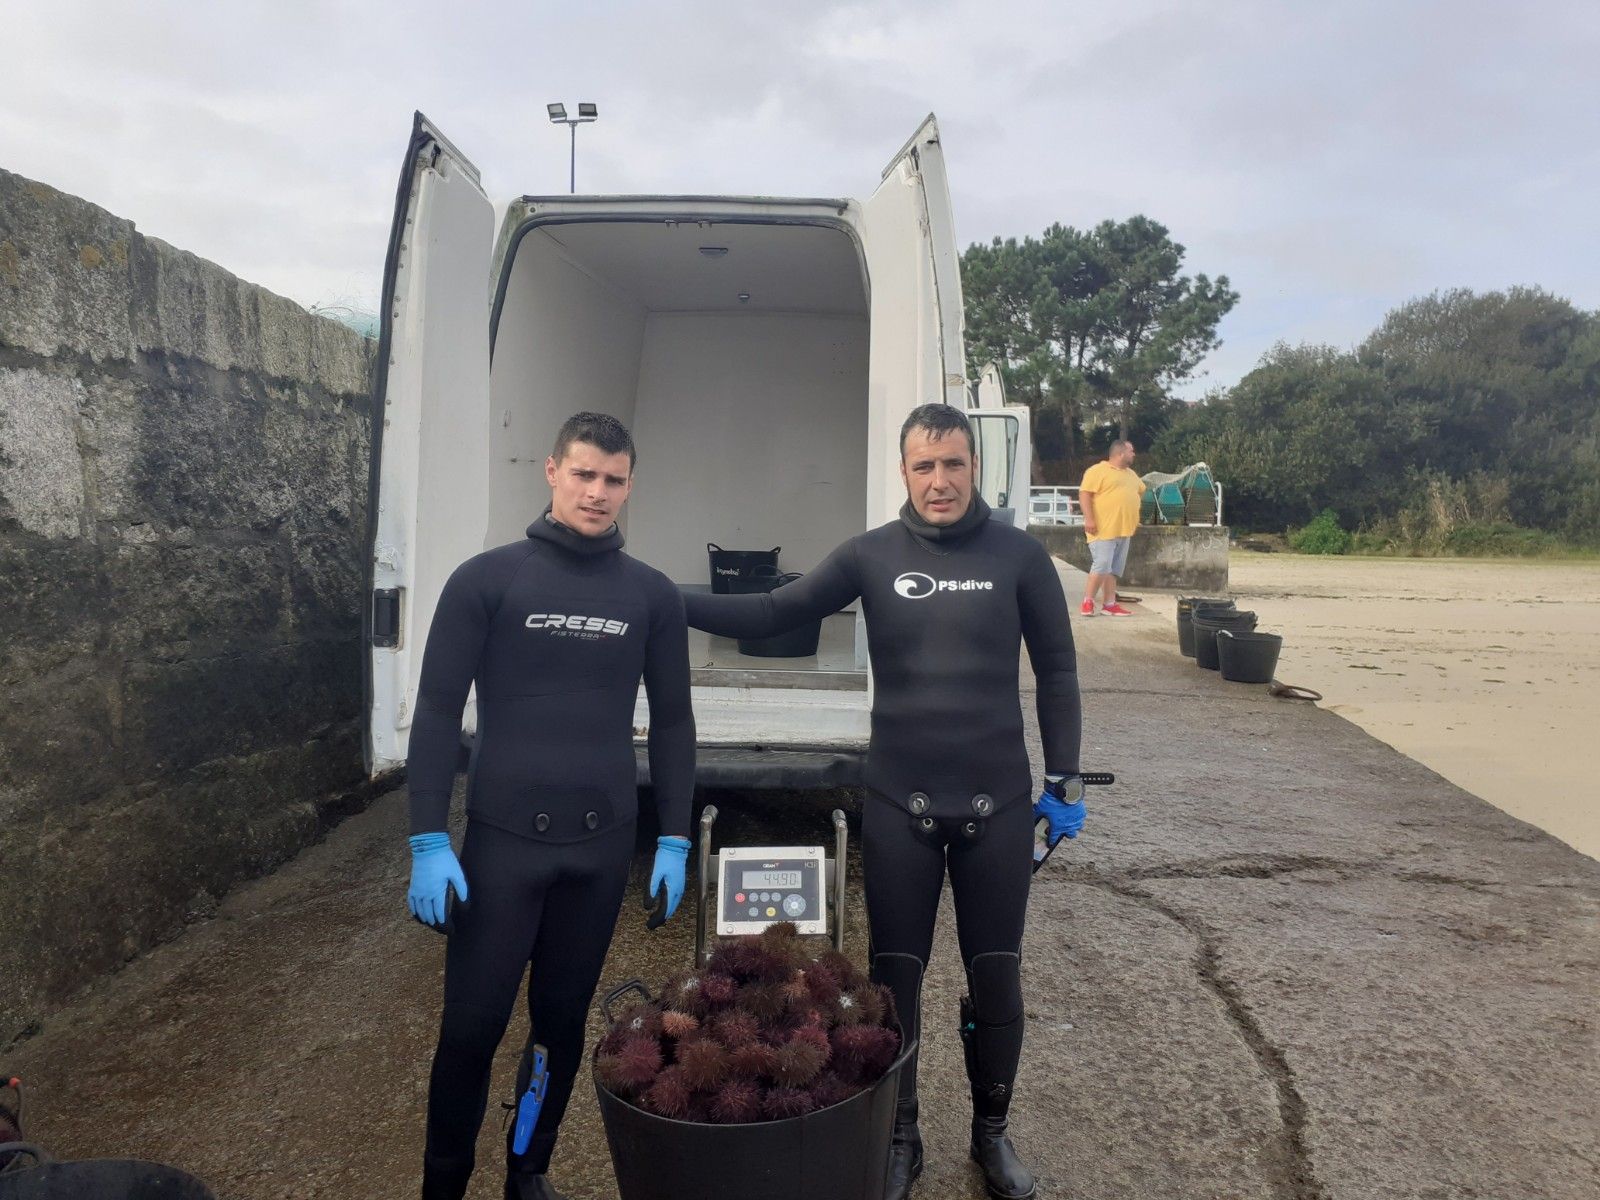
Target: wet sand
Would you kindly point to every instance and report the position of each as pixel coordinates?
(1486, 672)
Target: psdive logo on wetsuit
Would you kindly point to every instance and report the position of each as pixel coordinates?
(588, 628)
(914, 585)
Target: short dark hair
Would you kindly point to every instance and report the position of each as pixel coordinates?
(600, 430)
(937, 419)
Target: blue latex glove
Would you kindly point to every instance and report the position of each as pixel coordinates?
(672, 862)
(1066, 820)
(433, 867)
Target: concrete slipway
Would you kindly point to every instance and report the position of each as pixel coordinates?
(1284, 961)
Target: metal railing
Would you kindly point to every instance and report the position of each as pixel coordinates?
(1059, 505)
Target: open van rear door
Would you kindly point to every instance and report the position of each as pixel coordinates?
(916, 354)
(429, 501)
(1005, 458)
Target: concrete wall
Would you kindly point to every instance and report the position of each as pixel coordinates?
(183, 477)
(1185, 557)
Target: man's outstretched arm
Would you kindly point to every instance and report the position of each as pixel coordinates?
(819, 594)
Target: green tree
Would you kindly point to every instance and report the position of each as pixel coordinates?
(1029, 309)
(1090, 327)
(1461, 409)
(1310, 428)
(1155, 324)
(1509, 385)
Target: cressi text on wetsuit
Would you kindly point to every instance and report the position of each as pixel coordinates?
(556, 631)
(947, 769)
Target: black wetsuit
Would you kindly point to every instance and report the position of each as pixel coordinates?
(556, 631)
(947, 769)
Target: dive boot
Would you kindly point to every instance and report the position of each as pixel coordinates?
(1004, 1174)
(905, 1151)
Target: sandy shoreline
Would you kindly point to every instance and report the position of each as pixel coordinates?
(1486, 672)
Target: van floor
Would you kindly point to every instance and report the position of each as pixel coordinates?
(1283, 960)
(717, 661)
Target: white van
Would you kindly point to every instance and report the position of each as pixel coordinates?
(764, 352)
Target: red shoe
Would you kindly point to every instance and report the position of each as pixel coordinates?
(1087, 610)
(1116, 610)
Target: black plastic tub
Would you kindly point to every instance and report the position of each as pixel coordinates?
(102, 1179)
(1206, 627)
(1189, 605)
(799, 642)
(837, 1153)
(1247, 657)
(730, 566)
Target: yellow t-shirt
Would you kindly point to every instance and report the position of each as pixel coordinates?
(1116, 492)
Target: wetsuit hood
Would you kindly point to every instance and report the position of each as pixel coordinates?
(977, 513)
(548, 529)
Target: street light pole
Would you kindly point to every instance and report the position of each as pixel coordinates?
(558, 116)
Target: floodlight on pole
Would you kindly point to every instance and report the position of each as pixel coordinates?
(558, 116)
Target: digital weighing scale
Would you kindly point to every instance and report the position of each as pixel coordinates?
(758, 886)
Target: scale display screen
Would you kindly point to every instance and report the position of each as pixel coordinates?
(761, 885)
(771, 879)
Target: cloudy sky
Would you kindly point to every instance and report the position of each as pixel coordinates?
(1332, 159)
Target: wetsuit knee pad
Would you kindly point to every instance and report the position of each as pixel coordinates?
(902, 975)
(994, 981)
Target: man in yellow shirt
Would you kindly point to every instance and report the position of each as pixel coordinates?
(1110, 497)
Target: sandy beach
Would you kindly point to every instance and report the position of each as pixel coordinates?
(1487, 672)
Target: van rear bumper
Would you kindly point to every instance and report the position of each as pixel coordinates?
(755, 767)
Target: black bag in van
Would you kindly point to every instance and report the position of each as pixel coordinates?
(730, 565)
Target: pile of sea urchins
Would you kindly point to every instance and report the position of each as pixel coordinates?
(763, 1033)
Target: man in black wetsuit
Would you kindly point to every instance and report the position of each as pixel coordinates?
(948, 595)
(556, 630)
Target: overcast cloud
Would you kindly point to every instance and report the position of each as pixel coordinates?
(1332, 159)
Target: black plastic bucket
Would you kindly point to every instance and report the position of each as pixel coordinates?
(729, 566)
(103, 1179)
(841, 1153)
(799, 642)
(1205, 633)
(1248, 657)
(1187, 606)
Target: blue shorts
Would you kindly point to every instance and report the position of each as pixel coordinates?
(1108, 556)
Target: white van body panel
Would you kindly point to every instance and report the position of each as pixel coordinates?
(906, 239)
(433, 491)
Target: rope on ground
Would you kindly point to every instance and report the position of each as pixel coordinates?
(1287, 691)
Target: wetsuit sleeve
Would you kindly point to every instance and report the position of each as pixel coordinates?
(449, 663)
(821, 593)
(666, 684)
(1048, 632)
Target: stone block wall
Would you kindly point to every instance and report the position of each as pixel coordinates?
(183, 481)
(1191, 558)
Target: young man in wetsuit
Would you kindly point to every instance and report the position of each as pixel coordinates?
(556, 630)
(948, 595)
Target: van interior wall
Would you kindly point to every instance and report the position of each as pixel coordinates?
(568, 342)
(752, 433)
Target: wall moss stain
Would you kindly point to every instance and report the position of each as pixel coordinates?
(42, 192)
(119, 253)
(91, 257)
(10, 264)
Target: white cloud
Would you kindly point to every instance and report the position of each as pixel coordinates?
(1332, 160)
